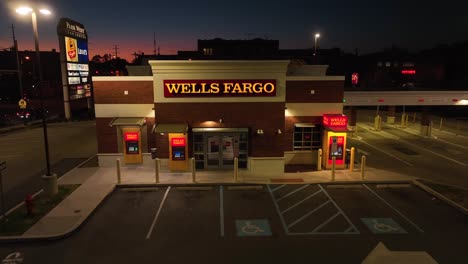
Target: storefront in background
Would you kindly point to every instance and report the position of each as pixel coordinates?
(262, 112)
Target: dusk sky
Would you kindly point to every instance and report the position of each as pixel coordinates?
(363, 24)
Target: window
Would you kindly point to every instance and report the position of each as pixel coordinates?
(306, 137)
(207, 51)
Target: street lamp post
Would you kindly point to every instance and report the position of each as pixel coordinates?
(50, 179)
(317, 35)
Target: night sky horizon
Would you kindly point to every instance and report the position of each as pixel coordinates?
(366, 25)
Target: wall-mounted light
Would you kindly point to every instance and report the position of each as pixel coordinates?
(220, 120)
(260, 131)
(279, 132)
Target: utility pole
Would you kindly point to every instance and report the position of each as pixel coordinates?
(154, 43)
(158, 50)
(18, 66)
(116, 48)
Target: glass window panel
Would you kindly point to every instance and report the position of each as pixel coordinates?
(243, 146)
(307, 129)
(297, 136)
(197, 137)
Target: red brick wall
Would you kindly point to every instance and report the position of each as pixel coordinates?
(266, 116)
(112, 92)
(325, 91)
(106, 136)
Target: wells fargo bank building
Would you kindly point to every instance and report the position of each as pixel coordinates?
(266, 113)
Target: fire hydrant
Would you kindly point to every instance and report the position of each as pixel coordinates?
(29, 205)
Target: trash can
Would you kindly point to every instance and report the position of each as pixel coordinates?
(153, 153)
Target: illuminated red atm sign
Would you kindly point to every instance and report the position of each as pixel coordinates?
(335, 121)
(178, 142)
(131, 136)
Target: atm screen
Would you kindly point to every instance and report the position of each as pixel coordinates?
(178, 153)
(132, 147)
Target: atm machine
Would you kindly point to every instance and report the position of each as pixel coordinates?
(132, 145)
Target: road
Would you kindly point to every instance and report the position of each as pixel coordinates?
(441, 157)
(316, 223)
(69, 145)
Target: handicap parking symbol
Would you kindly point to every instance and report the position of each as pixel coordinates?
(383, 226)
(254, 227)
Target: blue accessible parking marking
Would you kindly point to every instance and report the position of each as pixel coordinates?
(254, 227)
(383, 226)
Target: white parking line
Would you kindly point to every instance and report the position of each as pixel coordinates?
(285, 228)
(391, 155)
(291, 193)
(326, 222)
(435, 153)
(301, 201)
(396, 210)
(157, 213)
(308, 214)
(341, 211)
(279, 187)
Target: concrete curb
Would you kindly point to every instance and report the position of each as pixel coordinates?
(441, 197)
(52, 237)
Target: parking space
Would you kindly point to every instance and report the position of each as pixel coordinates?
(280, 210)
(275, 223)
(309, 210)
(373, 214)
(250, 212)
(188, 213)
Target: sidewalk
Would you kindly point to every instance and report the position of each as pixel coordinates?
(98, 182)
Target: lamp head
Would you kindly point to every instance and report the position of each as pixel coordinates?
(317, 35)
(24, 10)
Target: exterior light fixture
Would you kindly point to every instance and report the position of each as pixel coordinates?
(279, 132)
(260, 131)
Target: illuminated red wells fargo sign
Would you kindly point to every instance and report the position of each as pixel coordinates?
(408, 72)
(219, 88)
(178, 142)
(131, 136)
(335, 121)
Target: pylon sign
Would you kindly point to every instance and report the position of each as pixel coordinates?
(73, 43)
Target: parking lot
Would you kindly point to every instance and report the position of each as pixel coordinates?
(298, 223)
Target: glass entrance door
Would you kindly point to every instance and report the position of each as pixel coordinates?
(221, 150)
(218, 150)
(213, 152)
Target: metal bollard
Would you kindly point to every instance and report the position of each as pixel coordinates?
(363, 165)
(119, 179)
(236, 171)
(319, 160)
(351, 159)
(193, 170)
(156, 170)
(333, 168)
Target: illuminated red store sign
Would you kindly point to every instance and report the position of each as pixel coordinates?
(131, 136)
(219, 88)
(354, 78)
(408, 72)
(178, 142)
(335, 121)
